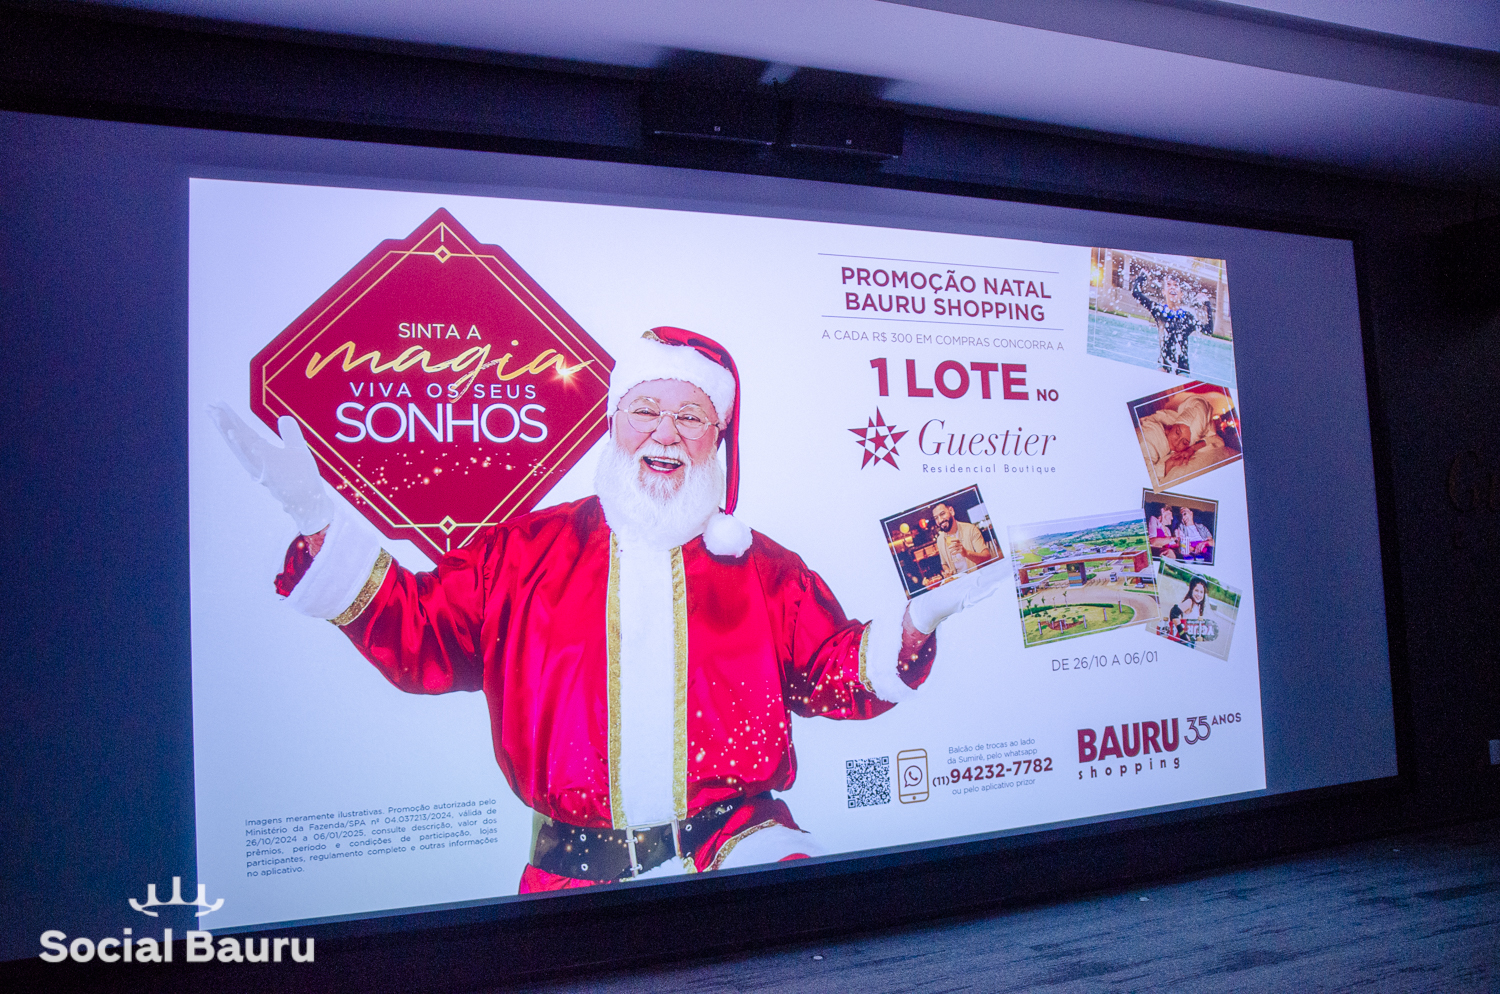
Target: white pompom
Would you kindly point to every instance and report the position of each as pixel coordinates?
(726, 535)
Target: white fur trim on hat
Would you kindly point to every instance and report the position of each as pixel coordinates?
(726, 535)
(642, 360)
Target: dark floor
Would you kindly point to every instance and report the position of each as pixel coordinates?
(1418, 912)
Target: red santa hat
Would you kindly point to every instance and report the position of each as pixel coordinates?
(676, 354)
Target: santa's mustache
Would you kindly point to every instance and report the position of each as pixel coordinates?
(665, 457)
(665, 508)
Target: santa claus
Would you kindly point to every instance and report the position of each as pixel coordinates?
(642, 652)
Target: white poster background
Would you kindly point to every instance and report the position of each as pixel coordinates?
(289, 720)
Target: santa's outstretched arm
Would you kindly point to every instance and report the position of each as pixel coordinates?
(931, 609)
(416, 628)
(843, 669)
(919, 626)
(346, 549)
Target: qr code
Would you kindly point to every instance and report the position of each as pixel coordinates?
(868, 781)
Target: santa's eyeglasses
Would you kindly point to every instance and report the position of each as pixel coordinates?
(645, 415)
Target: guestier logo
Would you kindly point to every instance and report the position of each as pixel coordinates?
(951, 379)
(439, 386)
(878, 440)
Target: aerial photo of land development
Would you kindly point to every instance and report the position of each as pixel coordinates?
(1082, 576)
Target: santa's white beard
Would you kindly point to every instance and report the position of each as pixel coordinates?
(644, 511)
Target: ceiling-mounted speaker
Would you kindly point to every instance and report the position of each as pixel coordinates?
(871, 132)
(731, 116)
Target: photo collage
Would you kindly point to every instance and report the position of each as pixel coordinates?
(1141, 566)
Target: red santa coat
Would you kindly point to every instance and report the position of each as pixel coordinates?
(529, 612)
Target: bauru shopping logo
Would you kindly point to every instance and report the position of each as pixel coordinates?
(1138, 748)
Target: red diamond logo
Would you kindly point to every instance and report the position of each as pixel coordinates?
(440, 388)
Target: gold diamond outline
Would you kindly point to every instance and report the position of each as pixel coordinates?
(391, 261)
(373, 276)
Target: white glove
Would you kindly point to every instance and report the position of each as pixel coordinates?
(929, 609)
(288, 470)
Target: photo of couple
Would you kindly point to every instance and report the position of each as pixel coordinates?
(1180, 528)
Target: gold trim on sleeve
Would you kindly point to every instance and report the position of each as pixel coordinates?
(367, 592)
(864, 652)
(736, 839)
(612, 632)
(680, 657)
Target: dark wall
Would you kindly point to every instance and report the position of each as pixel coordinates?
(1438, 351)
(1432, 353)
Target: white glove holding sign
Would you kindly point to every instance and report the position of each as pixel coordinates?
(929, 610)
(287, 470)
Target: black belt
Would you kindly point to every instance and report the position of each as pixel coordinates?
(604, 854)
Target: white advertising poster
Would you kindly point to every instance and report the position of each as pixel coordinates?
(1033, 447)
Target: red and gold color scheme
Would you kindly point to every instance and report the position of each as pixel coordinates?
(440, 388)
